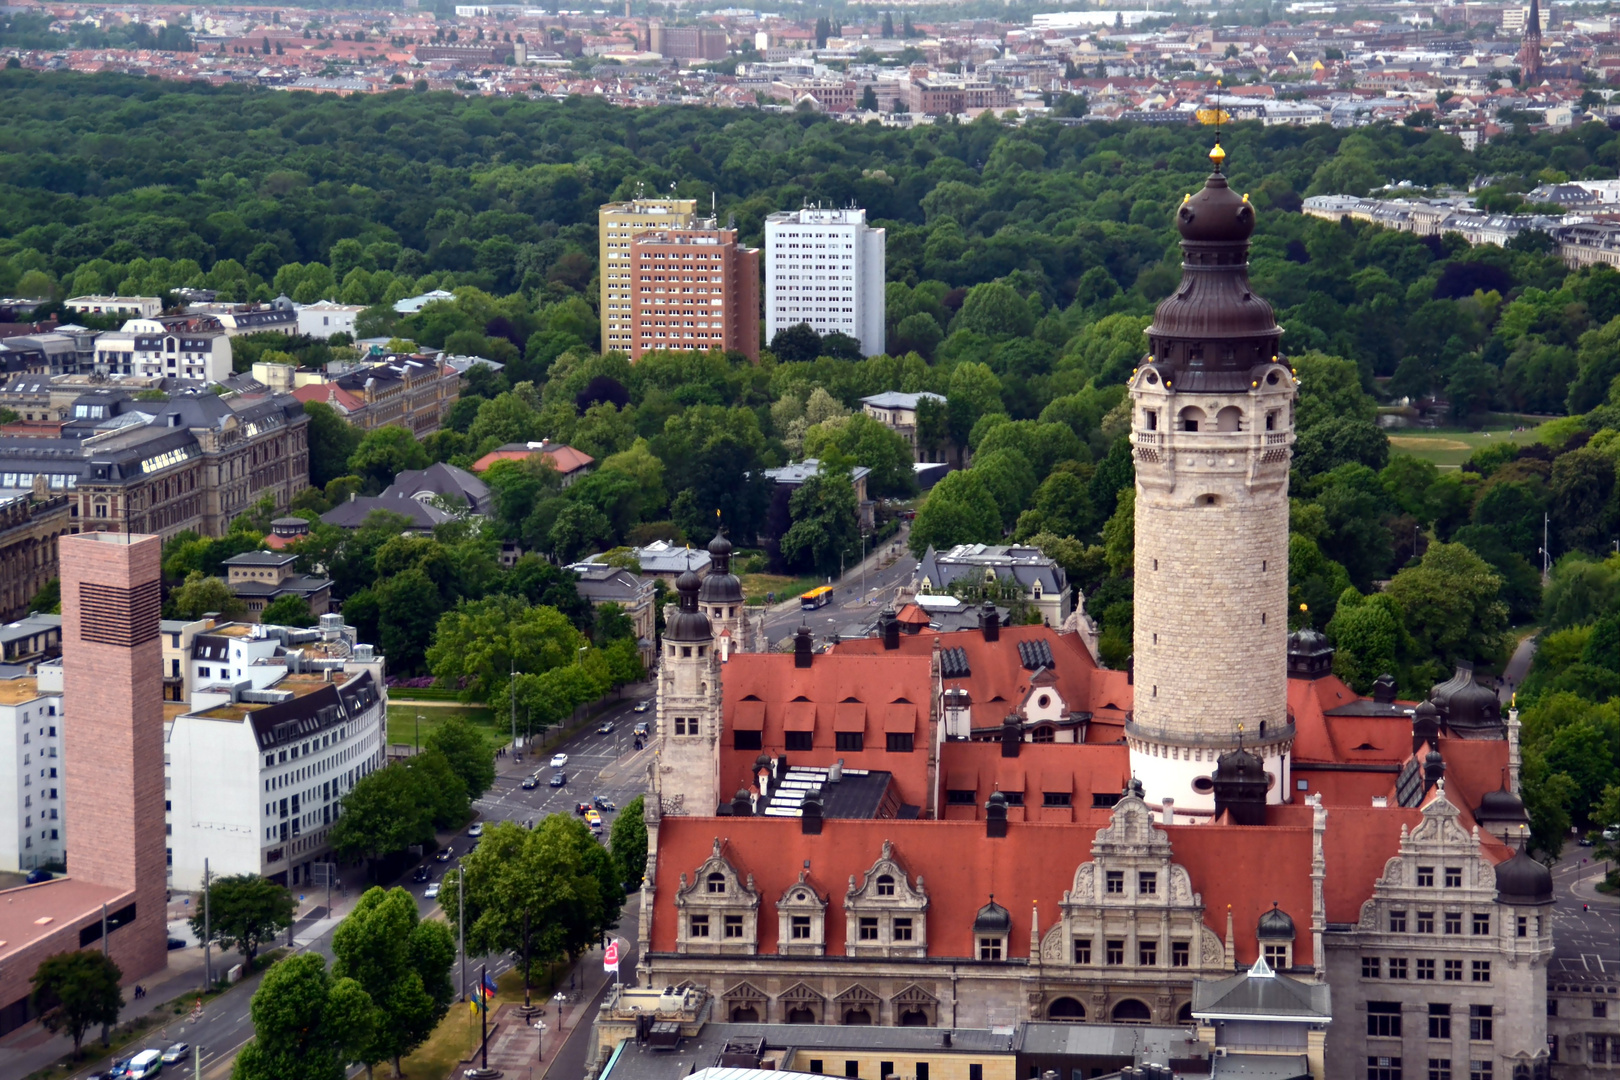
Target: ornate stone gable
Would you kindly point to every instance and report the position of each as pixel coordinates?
(1132, 909)
(717, 912)
(801, 914)
(885, 915)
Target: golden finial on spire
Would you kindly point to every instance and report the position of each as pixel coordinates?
(1217, 155)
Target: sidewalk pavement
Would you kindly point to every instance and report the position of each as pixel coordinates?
(1585, 889)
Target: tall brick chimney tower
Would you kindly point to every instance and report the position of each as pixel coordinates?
(113, 732)
(1213, 430)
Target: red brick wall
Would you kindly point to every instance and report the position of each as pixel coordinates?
(113, 745)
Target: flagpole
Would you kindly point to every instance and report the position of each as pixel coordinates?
(483, 1017)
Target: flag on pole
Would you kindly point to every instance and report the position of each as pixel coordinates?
(610, 957)
(489, 986)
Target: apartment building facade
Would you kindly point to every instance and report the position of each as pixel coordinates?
(694, 288)
(281, 724)
(196, 462)
(617, 225)
(826, 269)
(31, 823)
(178, 347)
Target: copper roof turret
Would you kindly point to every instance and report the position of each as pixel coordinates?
(1212, 331)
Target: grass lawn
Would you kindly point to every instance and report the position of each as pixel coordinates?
(1449, 448)
(755, 586)
(402, 726)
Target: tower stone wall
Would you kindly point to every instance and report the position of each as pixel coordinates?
(1212, 434)
(688, 715)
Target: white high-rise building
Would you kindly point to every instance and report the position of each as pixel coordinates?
(826, 269)
(31, 824)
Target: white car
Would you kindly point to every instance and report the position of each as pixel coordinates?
(431, 892)
(559, 760)
(476, 830)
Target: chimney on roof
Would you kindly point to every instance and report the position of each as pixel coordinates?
(1130, 670)
(990, 622)
(803, 653)
(810, 814)
(1169, 815)
(781, 767)
(835, 774)
(1434, 769)
(741, 804)
(995, 816)
(1384, 689)
(889, 628)
(1012, 735)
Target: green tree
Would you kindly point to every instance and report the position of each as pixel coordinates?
(974, 391)
(384, 453)
(403, 964)
(74, 991)
(959, 510)
(543, 893)
(288, 610)
(440, 788)
(1009, 478)
(482, 642)
(307, 1025)
(867, 442)
(1449, 603)
(245, 911)
(627, 840)
(332, 442)
(1367, 638)
(408, 606)
(825, 530)
(995, 310)
(798, 343)
(467, 751)
(382, 814)
(202, 594)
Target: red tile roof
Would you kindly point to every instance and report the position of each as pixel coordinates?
(565, 458)
(998, 682)
(330, 394)
(1246, 868)
(836, 693)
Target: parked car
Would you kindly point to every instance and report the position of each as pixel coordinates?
(446, 854)
(602, 802)
(431, 892)
(176, 1053)
(422, 874)
(176, 943)
(530, 783)
(477, 830)
(558, 779)
(643, 706)
(559, 760)
(605, 729)
(36, 876)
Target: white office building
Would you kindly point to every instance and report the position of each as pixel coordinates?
(825, 268)
(281, 724)
(324, 318)
(31, 826)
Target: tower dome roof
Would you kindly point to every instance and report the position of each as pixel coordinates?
(1522, 880)
(688, 624)
(721, 585)
(1500, 807)
(1469, 708)
(1275, 925)
(1213, 328)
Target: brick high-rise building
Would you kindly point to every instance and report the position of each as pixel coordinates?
(113, 732)
(694, 288)
(617, 224)
(108, 778)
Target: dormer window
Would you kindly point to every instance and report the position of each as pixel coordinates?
(989, 948)
(716, 883)
(885, 885)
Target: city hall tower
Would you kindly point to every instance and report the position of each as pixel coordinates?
(1212, 429)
